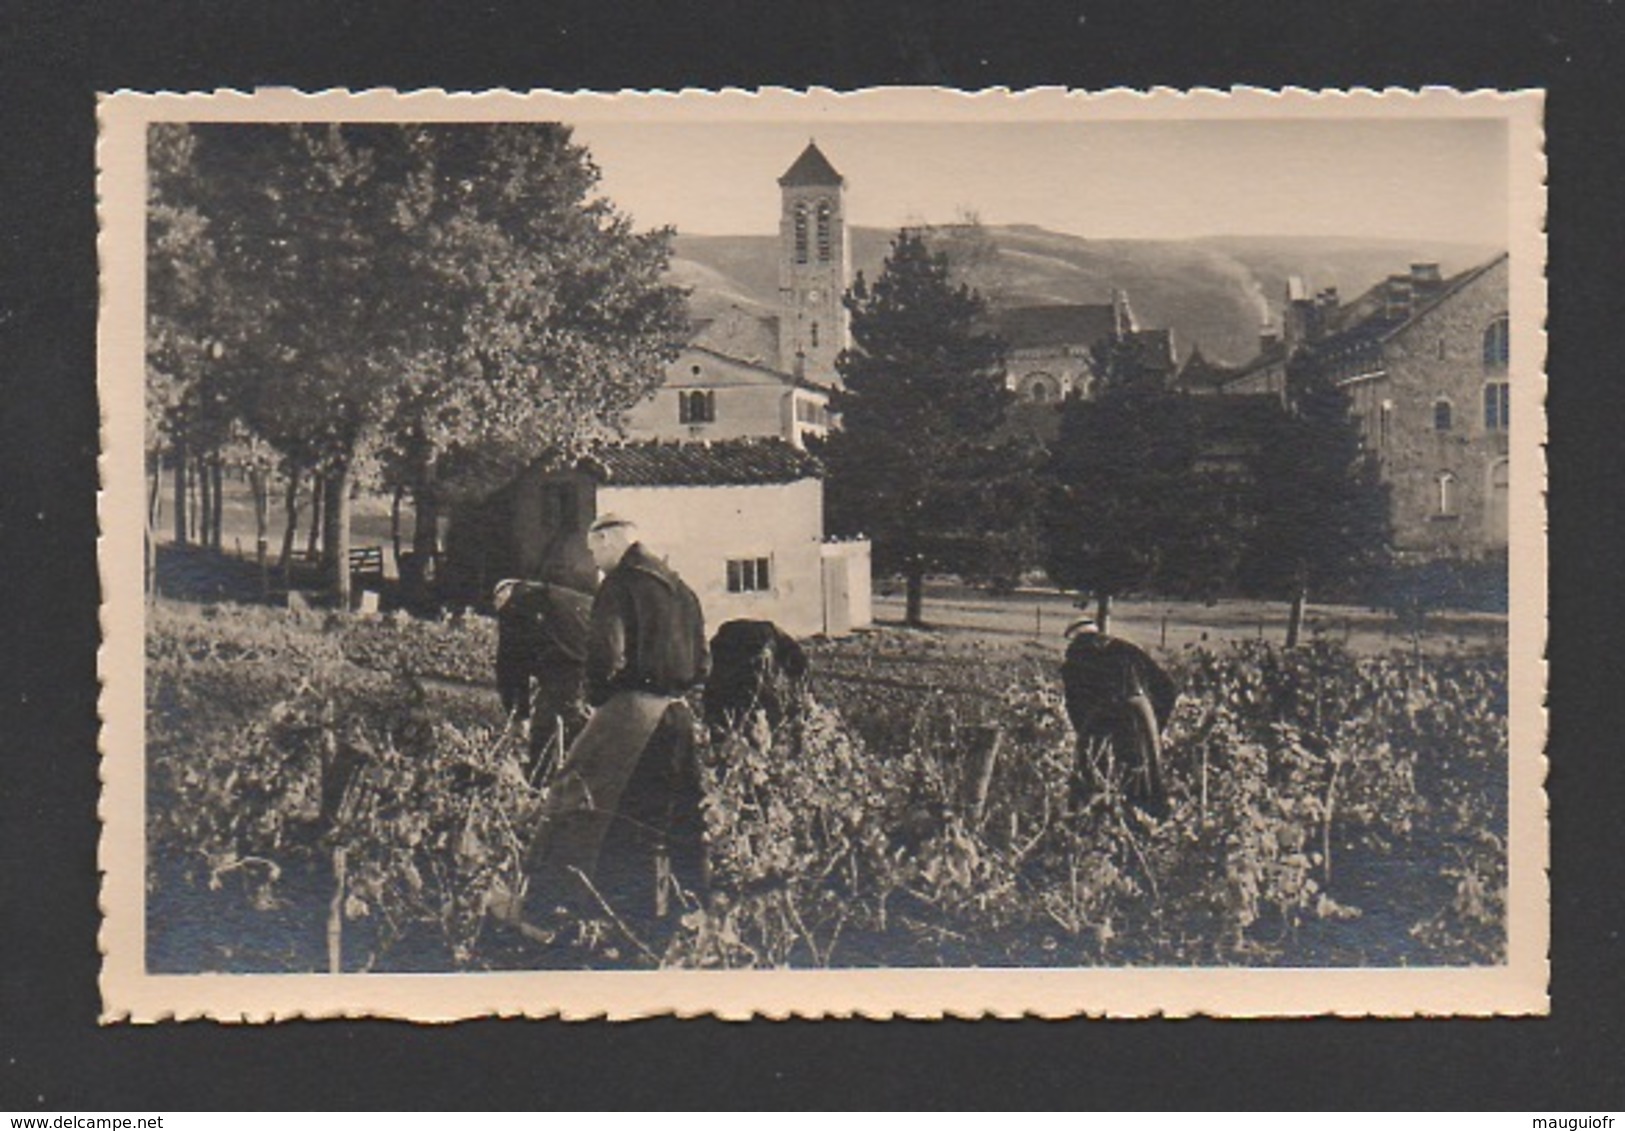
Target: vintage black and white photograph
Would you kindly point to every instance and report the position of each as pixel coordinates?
(899, 552)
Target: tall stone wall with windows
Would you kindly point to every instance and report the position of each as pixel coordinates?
(1437, 421)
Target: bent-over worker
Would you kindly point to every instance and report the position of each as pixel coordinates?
(1119, 701)
(625, 800)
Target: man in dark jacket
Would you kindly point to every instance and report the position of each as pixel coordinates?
(1119, 701)
(542, 632)
(621, 822)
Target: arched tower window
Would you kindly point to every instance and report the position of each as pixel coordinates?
(801, 233)
(823, 231)
(1443, 415)
(696, 407)
(814, 335)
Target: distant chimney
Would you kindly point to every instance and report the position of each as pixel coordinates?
(1122, 316)
(1397, 297)
(1426, 280)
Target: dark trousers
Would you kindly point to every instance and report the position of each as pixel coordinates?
(1120, 749)
(623, 814)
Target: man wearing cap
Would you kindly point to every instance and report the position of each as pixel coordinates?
(542, 632)
(1119, 701)
(625, 800)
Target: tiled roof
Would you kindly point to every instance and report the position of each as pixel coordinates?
(811, 168)
(716, 463)
(1075, 324)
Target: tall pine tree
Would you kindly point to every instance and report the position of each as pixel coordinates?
(916, 463)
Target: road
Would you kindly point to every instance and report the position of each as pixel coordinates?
(1042, 616)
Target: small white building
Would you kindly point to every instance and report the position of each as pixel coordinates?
(741, 521)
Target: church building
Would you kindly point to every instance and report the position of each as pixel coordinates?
(744, 374)
(713, 466)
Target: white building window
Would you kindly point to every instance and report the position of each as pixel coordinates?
(749, 575)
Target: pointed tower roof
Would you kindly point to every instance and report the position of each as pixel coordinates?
(811, 168)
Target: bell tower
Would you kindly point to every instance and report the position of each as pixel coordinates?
(814, 253)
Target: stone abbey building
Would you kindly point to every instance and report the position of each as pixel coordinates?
(1424, 361)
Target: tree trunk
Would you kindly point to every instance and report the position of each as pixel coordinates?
(336, 532)
(913, 609)
(154, 516)
(1103, 612)
(425, 541)
(290, 530)
(217, 490)
(155, 494)
(261, 490)
(181, 487)
(205, 502)
(318, 502)
(426, 531)
(1294, 620)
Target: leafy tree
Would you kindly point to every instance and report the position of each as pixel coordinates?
(449, 302)
(915, 464)
(178, 266)
(1124, 493)
(1323, 513)
(538, 315)
(303, 220)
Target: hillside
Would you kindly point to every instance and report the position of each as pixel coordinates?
(1211, 291)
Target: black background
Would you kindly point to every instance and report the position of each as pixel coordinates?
(54, 58)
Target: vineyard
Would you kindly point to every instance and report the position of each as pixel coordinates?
(340, 793)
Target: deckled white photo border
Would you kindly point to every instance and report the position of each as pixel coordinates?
(130, 993)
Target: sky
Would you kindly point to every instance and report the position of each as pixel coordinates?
(1434, 179)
